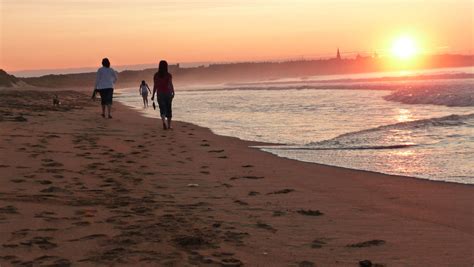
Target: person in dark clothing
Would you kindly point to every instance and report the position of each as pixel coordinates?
(164, 89)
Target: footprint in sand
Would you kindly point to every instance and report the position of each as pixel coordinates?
(278, 213)
(53, 164)
(81, 223)
(235, 237)
(240, 202)
(51, 261)
(283, 191)
(266, 227)
(310, 212)
(251, 177)
(89, 237)
(370, 243)
(40, 241)
(231, 262)
(54, 189)
(306, 264)
(9, 210)
(46, 215)
(216, 151)
(22, 167)
(318, 243)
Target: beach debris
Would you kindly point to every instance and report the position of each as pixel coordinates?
(193, 185)
(370, 243)
(310, 212)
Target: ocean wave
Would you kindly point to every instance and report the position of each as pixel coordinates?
(459, 95)
(393, 136)
(446, 121)
(339, 148)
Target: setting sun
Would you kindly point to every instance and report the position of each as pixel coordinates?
(404, 48)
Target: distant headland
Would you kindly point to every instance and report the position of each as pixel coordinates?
(249, 71)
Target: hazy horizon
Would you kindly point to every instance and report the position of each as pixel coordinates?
(139, 67)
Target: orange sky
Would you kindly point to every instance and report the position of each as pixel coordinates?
(43, 34)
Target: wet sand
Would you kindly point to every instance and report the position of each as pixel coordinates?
(78, 189)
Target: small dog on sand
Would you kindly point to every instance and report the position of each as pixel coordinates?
(56, 101)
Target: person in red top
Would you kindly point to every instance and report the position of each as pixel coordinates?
(163, 87)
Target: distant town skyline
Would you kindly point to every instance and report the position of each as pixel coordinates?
(61, 34)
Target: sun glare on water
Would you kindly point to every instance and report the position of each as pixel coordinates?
(404, 48)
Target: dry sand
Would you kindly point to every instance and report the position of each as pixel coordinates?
(77, 189)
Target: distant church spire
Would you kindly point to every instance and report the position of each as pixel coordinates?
(338, 54)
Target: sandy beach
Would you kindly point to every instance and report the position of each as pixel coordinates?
(77, 189)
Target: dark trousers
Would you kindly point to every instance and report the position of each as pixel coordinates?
(164, 102)
(106, 96)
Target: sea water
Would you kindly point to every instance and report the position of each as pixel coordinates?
(355, 129)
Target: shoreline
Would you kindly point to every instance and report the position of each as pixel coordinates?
(125, 192)
(447, 175)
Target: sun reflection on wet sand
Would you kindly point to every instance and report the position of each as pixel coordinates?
(405, 153)
(406, 162)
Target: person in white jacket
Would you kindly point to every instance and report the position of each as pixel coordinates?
(104, 84)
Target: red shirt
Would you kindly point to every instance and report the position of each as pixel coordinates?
(163, 84)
